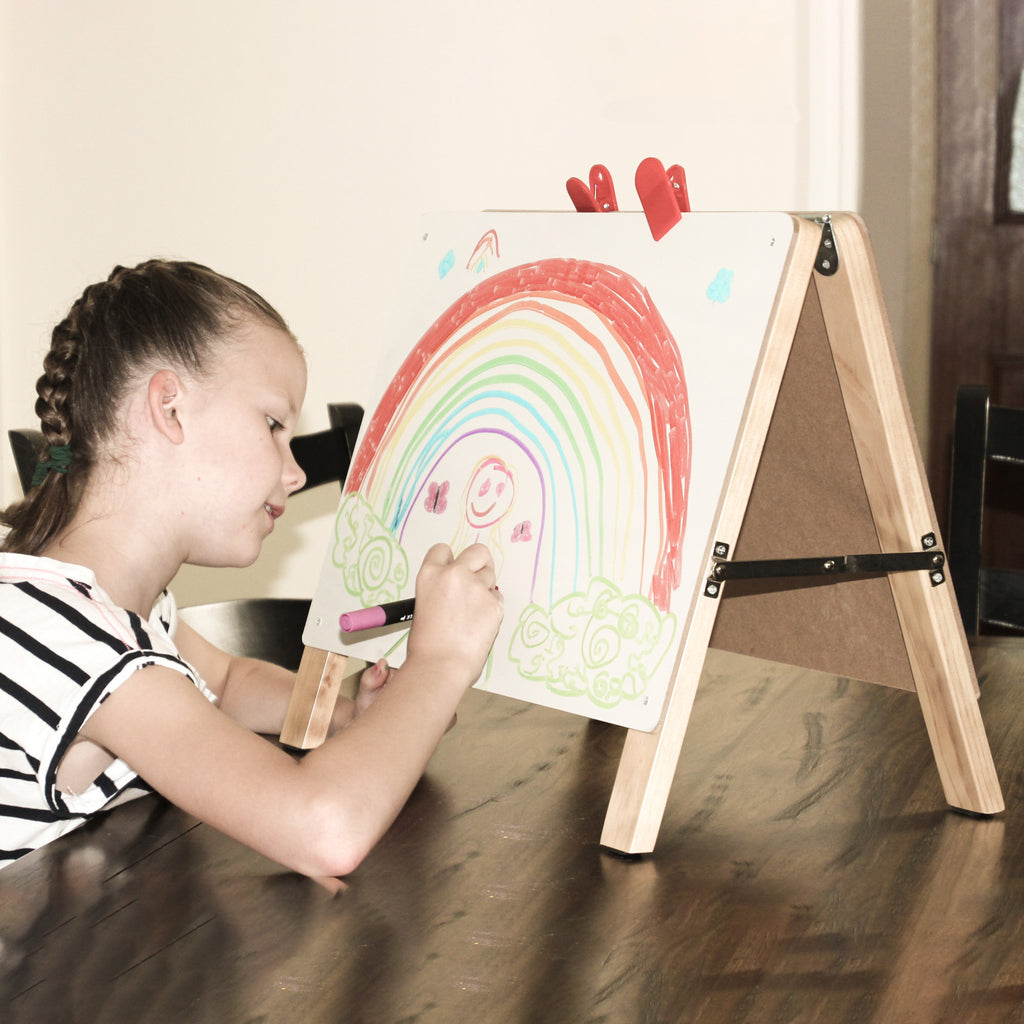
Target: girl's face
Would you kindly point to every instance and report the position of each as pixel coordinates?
(489, 494)
(244, 470)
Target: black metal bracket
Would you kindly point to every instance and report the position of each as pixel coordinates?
(929, 560)
(827, 261)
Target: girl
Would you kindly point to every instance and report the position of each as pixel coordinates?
(169, 397)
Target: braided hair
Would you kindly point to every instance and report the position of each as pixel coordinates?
(159, 313)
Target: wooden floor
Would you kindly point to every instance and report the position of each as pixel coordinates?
(807, 870)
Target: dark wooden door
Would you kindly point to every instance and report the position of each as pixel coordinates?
(978, 306)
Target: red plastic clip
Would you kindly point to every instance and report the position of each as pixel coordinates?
(677, 177)
(598, 197)
(662, 194)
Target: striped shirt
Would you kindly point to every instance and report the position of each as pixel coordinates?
(64, 648)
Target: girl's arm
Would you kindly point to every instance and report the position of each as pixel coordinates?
(256, 693)
(323, 814)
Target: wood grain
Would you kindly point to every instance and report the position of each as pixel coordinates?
(316, 690)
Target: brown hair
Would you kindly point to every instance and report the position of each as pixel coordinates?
(158, 313)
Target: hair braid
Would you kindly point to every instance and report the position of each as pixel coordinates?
(54, 386)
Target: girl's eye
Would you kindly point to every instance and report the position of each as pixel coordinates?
(274, 425)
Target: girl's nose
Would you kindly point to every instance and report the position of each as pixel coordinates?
(293, 476)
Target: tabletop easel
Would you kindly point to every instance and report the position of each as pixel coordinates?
(825, 466)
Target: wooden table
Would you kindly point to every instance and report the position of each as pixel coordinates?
(807, 870)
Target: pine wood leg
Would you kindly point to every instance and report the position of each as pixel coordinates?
(648, 765)
(946, 687)
(897, 490)
(316, 690)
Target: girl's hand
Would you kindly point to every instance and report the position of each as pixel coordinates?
(458, 612)
(371, 683)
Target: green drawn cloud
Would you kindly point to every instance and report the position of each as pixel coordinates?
(373, 565)
(602, 645)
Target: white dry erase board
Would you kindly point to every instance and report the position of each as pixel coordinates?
(568, 391)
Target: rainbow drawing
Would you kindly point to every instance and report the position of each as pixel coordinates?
(545, 413)
(534, 398)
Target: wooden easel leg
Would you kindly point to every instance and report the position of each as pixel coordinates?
(316, 691)
(945, 680)
(897, 491)
(648, 764)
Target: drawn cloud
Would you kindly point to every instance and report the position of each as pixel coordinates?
(600, 644)
(373, 565)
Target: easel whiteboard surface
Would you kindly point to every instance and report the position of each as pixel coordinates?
(568, 391)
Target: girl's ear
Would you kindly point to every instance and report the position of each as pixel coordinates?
(164, 397)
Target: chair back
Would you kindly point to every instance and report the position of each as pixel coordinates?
(269, 628)
(983, 433)
(27, 446)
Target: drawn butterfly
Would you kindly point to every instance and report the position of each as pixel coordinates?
(521, 531)
(437, 497)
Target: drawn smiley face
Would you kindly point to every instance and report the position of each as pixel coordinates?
(490, 493)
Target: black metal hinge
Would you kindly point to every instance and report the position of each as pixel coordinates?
(929, 560)
(827, 261)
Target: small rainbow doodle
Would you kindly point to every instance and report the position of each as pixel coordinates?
(484, 252)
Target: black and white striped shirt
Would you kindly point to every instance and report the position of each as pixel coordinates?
(64, 648)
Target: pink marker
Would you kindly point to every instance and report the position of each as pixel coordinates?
(386, 614)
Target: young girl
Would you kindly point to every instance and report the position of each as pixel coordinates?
(168, 400)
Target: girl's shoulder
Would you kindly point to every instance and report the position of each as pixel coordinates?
(38, 590)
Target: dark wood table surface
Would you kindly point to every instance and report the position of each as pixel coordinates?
(808, 869)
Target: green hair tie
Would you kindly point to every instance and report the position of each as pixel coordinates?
(58, 462)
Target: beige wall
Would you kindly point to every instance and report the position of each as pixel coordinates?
(898, 175)
(293, 145)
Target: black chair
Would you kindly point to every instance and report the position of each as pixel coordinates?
(990, 599)
(27, 446)
(269, 628)
(325, 456)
